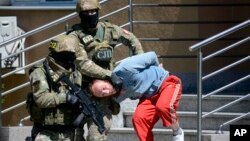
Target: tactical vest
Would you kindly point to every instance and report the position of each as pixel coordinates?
(60, 115)
(96, 47)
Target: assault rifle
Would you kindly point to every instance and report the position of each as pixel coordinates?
(88, 108)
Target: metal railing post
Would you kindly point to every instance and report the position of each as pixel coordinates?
(199, 97)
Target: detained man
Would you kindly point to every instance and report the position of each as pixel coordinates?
(159, 92)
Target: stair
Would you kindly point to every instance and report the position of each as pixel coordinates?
(128, 134)
(188, 120)
(117, 134)
(122, 128)
(187, 112)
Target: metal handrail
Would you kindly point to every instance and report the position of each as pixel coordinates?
(231, 121)
(46, 26)
(39, 29)
(190, 5)
(23, 119)
(43, 42)
(13, 107)
(31, 47)
(225, 106)
(200, 58)
(227, 86)
(184, 22)
(226, 48)
(226, 67)
(218, 36)
(16, 88)
(21, 68)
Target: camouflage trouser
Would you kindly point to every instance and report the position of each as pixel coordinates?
(69, 135)
(93, 133)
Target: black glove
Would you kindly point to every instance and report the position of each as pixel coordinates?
(71, 99)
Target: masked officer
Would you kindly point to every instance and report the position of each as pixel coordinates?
(51, 105)
(98, 40)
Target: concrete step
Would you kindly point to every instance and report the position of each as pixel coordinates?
(119, 134)
(14, 133)
(189, 103)
(188, 120)
(128, 134)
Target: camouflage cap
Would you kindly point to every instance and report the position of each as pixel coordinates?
(63, 43)
(84, 5)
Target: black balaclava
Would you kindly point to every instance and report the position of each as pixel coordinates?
(89, 21)
(65, 58)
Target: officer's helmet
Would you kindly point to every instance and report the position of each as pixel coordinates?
(63, 43)
(63, 48)
(85, 5)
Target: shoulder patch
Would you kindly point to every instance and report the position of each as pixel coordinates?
(87, 39)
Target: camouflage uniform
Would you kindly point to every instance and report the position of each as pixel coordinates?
(51, 113)
(97, 61)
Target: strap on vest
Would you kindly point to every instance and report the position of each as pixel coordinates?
(48, 76)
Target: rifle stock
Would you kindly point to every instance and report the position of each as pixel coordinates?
(88, 107)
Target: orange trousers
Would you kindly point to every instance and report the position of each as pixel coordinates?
(162, 105)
